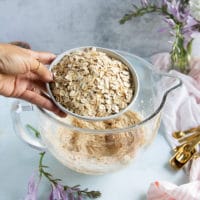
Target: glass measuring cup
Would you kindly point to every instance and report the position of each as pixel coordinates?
(93, 151)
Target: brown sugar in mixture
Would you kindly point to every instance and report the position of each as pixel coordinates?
(97, 145)
(83, 152)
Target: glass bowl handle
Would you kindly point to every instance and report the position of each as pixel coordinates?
(17, 108)
(170, 87)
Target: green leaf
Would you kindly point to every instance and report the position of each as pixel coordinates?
(94, 194)
(47, 174)
(36, 132)
(140, 11)
(189, 46)
(57, 179)
(44, 166)
(76, 187)
(134, 6)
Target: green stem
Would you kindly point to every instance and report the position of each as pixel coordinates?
(139, 12)
(91, 194)
(146, 10)
(179, 55)
(44, 173)
(36, 132)
(76, 189)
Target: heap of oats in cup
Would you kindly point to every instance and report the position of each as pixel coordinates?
(89, 82)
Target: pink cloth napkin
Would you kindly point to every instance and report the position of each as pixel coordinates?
(181, 112)
(162, 190)
(182, 109)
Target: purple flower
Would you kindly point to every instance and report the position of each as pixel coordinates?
(73, 194)
(32, 188)
(58, 193)
(170, 22)
(144, 3)
(70, 195)
(174, 9)
(164, 2)
(189, 29)
(190, 22)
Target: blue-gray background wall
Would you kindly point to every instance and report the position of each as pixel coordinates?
(58, 25)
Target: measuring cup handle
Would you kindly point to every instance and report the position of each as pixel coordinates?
(17, 108)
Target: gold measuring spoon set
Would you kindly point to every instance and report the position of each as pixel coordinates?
(187, 149)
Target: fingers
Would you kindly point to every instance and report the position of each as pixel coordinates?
(43, 57)
(27, 89)
(38, 61)
(41, 101)
(39, 85)
(7, 85)
(16, 60)
(38, 68)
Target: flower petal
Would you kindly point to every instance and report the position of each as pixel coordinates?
(58, 193)
(32, 188)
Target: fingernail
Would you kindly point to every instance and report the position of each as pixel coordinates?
(53, 56)
(62, 114)
(51, 76)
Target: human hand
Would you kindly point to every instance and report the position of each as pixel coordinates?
(23, 75)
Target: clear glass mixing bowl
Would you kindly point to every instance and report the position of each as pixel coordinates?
(109, 145)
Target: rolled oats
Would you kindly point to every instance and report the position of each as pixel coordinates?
(90, 83)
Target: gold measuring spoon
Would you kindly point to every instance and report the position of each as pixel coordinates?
(184, 153)
(181, 134)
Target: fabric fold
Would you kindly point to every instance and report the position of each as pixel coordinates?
(181, 112)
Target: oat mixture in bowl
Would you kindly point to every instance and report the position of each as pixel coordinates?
(98, 147)
(94, 83)
(91, 153)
